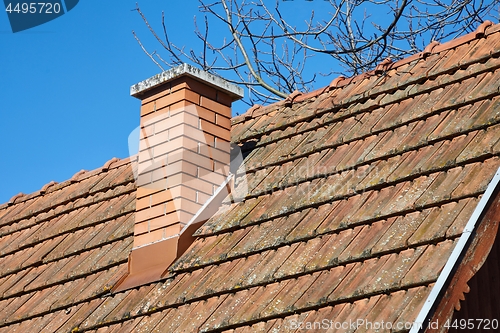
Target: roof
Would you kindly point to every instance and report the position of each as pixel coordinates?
(357, 195)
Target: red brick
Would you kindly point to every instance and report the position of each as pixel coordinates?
(144, 179)
(178, 84)
(179, 107)
(177, 167)
(143, 192)
(145, 158)
(224, 98)
(183, 191)
(173, 146)
(195, 86)
(222, 121)
(142, 203)
(174, 217)
(202, 197)
(164, 102)
(215, 154)
(184, 217)
(147, 108)
(148, 238)
(221, 168)
(169, 219)
(151, 140)
(145, 166)
(215, 130)
(210, 176)
(158, 198)
(193, 158)
(147, 130)
(259, 246)
(203, 113)
(183, 118)
(165, 89)
(196, 135)
(154, 117)
(182, 130)
(149, 213)
(177, 204)
(221, 156)
(165, 178)
(188, 206)
(216, 107)
(180, 136)
(192, 182)
(191, 96)
(174, 229)
(141, 227)
(192, 109)
(222, 144)
(177, 96)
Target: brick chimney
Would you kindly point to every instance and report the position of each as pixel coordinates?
(183, 165)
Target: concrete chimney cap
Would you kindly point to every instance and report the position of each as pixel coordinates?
(185, 69)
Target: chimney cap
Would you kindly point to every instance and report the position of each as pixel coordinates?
(217, 82)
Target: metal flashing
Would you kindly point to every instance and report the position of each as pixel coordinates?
(455, 255)
(204, 213)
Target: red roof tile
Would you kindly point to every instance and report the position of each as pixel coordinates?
(357, 195)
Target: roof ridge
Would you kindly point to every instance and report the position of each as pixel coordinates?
(486, 28)
(362, 99)
(51, 186)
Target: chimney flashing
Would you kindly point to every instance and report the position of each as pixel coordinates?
(183, 166)
(139, 89)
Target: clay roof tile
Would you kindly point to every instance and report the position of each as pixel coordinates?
(77, 175)
(481, 29)
(373, 175)
(15, 198)
(383, 66)
(47, 186)
(108, 164)
(429, 48)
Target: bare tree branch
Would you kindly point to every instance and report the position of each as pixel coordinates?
(272, 52)
(150, 55)
(245, 55)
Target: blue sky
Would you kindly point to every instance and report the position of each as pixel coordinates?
(65, 103)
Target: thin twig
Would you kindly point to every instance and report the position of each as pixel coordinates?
(145, 51)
